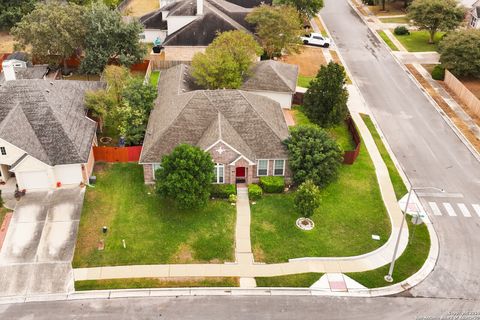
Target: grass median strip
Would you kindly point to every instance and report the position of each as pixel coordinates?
(301, 280)
(154, 230)
(406, 265)
(397, 181)
(144, 283)
(387, 40)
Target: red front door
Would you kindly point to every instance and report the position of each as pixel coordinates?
(240, 172)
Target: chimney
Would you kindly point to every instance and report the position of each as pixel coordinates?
(8, 70)
(199, 7)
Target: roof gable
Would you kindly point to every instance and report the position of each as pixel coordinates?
(269, 75)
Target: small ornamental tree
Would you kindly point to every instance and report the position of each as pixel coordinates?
(307, 198)
(226, 60)
(460, 53)
(308, 8)
(313, 155)
(436, 15)
(278, 27)
(325, 102)
(185, 176)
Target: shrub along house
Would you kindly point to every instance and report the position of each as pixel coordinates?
(243, 131)
(46, 139)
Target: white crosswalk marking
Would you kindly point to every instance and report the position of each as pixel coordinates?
(449, 209)
(477, 208)
(464, 210)
(436, 211)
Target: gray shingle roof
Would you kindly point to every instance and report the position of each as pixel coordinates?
(47, 119)
(18, 55)
(154, 20)
(252, 124)
(272, 75)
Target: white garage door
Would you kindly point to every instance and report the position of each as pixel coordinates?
(69, 174)
(33, 180)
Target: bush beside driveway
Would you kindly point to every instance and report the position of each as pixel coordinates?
(155, 232)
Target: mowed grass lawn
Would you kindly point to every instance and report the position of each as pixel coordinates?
(155, 232)
(417, 41)
(351, 211)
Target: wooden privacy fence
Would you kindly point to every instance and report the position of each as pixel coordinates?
(467, 97)
(117, 154)
(350, 156)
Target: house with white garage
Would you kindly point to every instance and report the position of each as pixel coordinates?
(46, 139)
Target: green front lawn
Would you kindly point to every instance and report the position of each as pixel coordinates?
(397, 181)
(154, 78)
(417, 41)
(387, 40)
(304, 81)
(351, 211)
(301, 280)
(141, 283)
(155, 232)
(403, 19)
(340, 133)
(406, 265)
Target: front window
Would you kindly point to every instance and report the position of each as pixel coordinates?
(279, 168)
(219, 173)
(262, 168)
(155, 167)
(473, 22)
(3, 151)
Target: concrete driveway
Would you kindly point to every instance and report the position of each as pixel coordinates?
(38, 250)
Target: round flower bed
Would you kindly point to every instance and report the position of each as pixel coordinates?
(105, 140)
(305, 223)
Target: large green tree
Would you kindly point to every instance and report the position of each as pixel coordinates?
(307, 198)
(460, 52)
(52, 29)
(436, 15)
(185, 176)
(109, 36)
(313, 155)
(12, 11)
(226, 60)
(325, 102)
(278, 27)
(308, 8)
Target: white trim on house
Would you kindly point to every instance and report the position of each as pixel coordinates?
(158, 166)
(283, 169)
(240, 157)
(258, 167)
(235, 150)
(219, 166)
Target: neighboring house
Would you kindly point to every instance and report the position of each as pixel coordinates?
(273, 79)
(243, 131)
(474, 16)
(16, 66)
(46, 139)
(188, 26)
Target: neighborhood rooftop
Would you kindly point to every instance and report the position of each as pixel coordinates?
(47, 119)
(271, 75)
(202, 117)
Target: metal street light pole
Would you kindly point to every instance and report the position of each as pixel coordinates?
(389, 277)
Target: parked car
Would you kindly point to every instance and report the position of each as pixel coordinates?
(316, 39)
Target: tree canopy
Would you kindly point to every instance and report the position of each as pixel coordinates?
(278, 27)
(460, 52)
(313, 155)
(52, 29)
(308, 8)
(307, 198)
(325, 102)
(226, 60)
(185, 176)
(108, 36)
(12, 11)
(436, 15)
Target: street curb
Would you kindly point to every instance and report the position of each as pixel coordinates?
(449, 122)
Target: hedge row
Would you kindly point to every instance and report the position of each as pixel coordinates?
(222, 191)
(272, 184)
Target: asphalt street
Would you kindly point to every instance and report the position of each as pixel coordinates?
(231, 308)
(428, 150)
